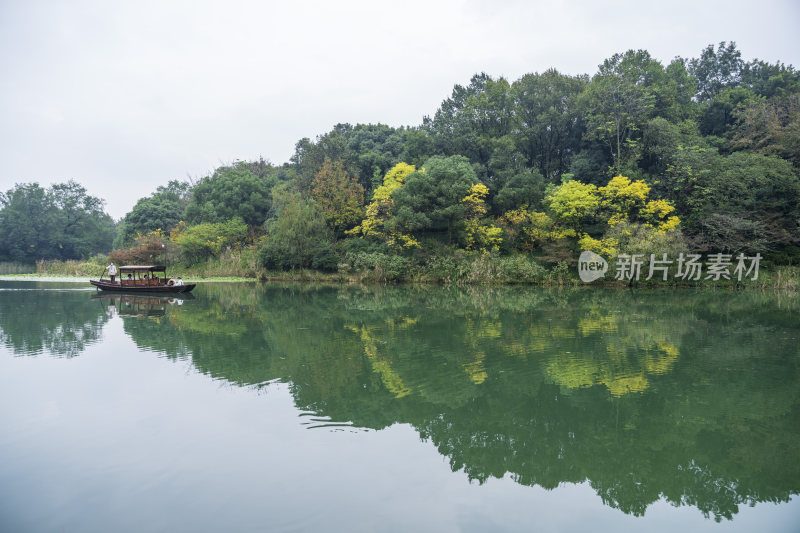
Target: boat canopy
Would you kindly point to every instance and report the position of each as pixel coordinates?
(143, 268)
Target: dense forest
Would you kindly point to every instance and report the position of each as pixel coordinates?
(700, 154)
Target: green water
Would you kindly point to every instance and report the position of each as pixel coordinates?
(256, 407)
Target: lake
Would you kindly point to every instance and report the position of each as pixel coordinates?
(261, 407)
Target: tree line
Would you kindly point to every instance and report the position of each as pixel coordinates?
(699, 154)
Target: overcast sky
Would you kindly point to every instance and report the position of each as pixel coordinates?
(124, 96)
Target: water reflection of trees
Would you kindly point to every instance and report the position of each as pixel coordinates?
(689, 396)
(39, 318)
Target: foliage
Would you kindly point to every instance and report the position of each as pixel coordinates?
(525, 189)
(525, 230)
(201, 241)
(338, 195)
(147, 249)
(431, 198)
(232, 191)
(380, 210)
(635, 238)
(61, 222)
(481, 236)
(298, 237)
(545, 165)
(571, 203)
(769, 127)
(752, 188)
(627, 200)
(606, 246)
(549, 120)
(620, 99)
(162, 210)
(716, 69)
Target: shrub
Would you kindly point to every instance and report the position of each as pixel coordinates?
(298, 238)
(209, 239)
(149, 248)
(377, 266)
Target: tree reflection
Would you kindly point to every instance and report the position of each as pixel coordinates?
(687, 396)
(693, 397)
(51, 318)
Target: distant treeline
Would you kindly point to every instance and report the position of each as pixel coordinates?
(700, 154)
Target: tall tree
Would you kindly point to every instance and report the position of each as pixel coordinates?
(161, 210)
(309, 156)
(28, 224)
(62, 222)
(380, 209)
(716, 69)
(82, 226)
(549, 121)
(298, 236)
(770, 127)
(620, 99)
(431, 199)
(339, 196)
(470, 122)
(232, 191)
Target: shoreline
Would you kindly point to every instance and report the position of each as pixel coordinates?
(334, 279)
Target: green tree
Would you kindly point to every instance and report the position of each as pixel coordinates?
(338, 195)
(769, 80)
(431, 198)
(27, 224)
(207, 239)
(549, 119)
(760, 192)
(82, 226)
(232, 191)
(375, 148)
(161, 210)
(524, 189)
(309, 156)
(716, 69)
(418, 146)
(298, 237)
(472, 120)
(62, 222)
(621, 97)
(718, 114)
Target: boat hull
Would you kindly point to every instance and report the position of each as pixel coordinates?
(146, 289)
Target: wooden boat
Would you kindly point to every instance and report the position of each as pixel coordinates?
(142, 279)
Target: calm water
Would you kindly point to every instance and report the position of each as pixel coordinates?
(282, 408)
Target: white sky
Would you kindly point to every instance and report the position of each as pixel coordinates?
(123, 96)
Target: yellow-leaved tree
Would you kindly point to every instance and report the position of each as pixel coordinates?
(628, 201)
(636, 223)
(527, 230)
(480, 235)
(380, 209)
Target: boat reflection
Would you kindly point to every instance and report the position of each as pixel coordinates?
(141, 304)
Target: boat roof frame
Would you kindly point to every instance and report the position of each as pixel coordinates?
(143, 268)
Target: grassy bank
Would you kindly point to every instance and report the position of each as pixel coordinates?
(455, 269)
(11, 268)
